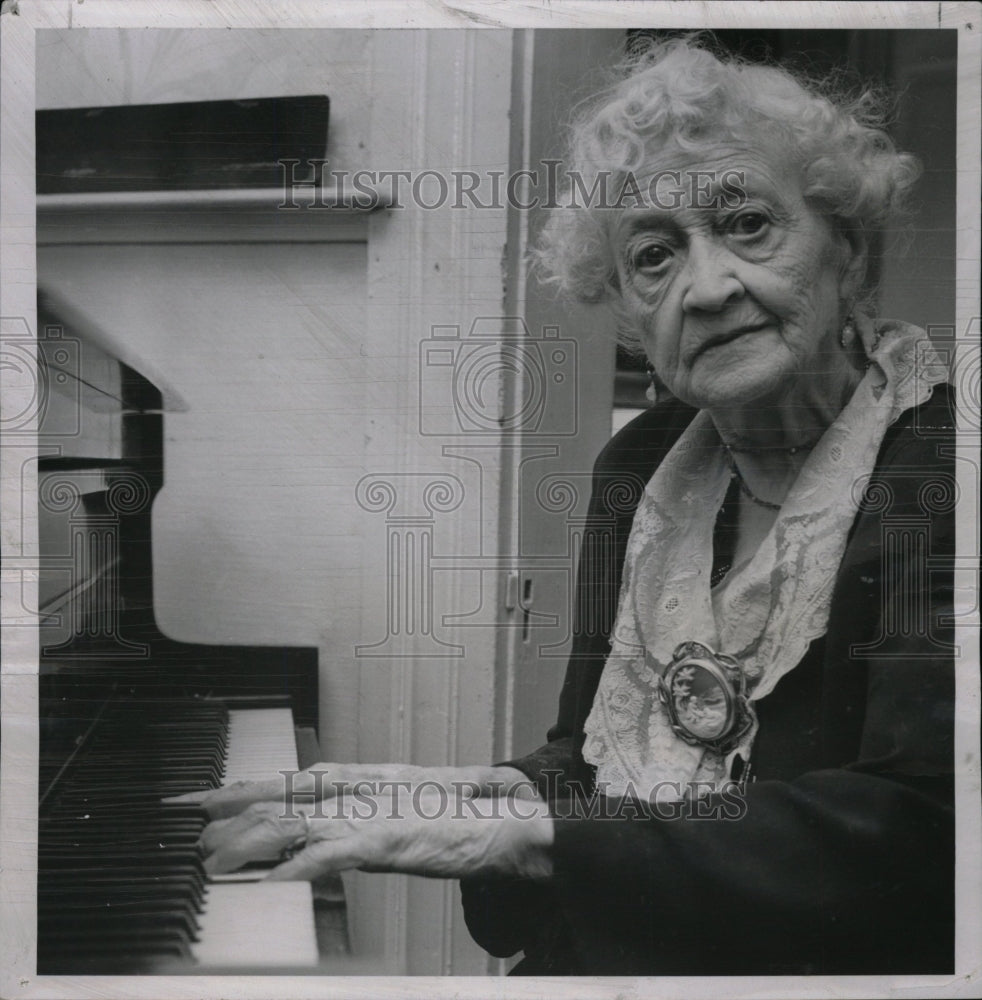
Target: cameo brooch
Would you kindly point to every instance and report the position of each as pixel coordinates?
(705, 695)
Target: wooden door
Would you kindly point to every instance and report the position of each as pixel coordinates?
(549, 464)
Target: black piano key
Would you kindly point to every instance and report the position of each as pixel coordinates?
(149, 841)
(54, 893)
(121, 881)
(99, 922)
(162, 859)
(137, 951)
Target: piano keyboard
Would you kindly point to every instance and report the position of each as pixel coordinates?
(121, 887)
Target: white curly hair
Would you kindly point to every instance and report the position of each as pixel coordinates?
(676, 94)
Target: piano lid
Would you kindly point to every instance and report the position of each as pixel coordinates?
(59, 320)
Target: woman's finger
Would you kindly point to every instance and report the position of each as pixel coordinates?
(216, 833)
(318, 858)
(261, 833)
(230, 800)
(190, 798)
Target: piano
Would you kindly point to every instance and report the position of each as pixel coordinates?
(129, 716)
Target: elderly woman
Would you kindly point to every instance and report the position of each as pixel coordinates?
(752, 772)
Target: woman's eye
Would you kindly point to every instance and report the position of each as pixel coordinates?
(651, 258)
(749, 224)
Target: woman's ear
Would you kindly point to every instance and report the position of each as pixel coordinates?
(855, 253)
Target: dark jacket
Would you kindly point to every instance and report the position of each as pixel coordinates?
(843, 859)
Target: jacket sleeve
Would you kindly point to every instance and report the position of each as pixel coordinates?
(842, 869)
(505, 916)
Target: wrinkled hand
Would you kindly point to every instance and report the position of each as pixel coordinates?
(324, 782)
(319, 783)
(428, 834)
(263, 831)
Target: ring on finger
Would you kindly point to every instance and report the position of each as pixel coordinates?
(300, 842)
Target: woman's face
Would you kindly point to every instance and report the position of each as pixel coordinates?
(737, 286)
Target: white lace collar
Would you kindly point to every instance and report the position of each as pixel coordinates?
(767, 611)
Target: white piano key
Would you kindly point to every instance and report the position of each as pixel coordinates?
(257, 924)
(261, 742)
(245, 922)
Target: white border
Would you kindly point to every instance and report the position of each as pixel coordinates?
(19, 702)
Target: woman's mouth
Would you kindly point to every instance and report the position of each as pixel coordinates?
(730, 335)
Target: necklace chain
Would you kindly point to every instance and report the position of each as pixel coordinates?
(730, 449)
(793, 450)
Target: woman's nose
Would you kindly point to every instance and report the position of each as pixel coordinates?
(712, 279)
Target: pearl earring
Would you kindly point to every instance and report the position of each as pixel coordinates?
(651, 393)
(848, 334)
